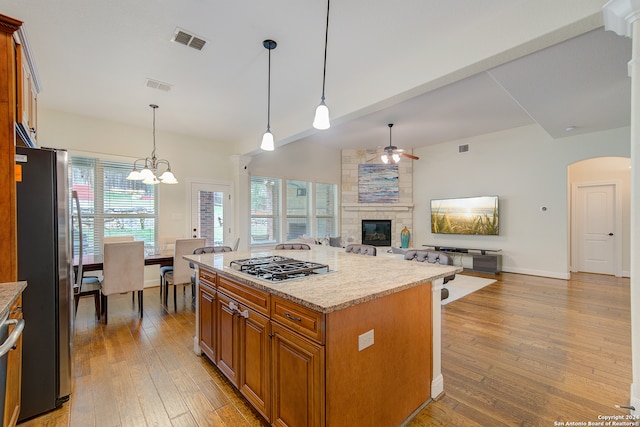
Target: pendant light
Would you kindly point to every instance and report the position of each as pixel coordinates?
(267, 139)
(321, 119)
(148, 174)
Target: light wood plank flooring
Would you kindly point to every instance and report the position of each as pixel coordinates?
(524, 351)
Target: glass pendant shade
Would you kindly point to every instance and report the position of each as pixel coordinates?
(321, 120)
(267, 141)
(152, 180)
(396, 158)
(384, 158)
(135, 175)
(146, 174)
(168, 178)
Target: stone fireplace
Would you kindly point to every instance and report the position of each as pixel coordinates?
(400, 213)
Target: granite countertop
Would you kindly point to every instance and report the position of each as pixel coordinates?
(9, 293)
(354, 278)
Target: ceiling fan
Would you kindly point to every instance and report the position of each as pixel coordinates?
(392, 153)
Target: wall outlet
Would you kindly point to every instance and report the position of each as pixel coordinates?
(365, 340)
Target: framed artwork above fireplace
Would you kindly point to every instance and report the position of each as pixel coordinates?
(378, 183)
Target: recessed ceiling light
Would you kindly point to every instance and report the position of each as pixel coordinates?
(569, 128)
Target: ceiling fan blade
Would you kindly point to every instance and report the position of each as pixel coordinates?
(409, 156)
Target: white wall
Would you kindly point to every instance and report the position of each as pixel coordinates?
(527, 169)
(609, 169)
(190, 158)
(300, 160)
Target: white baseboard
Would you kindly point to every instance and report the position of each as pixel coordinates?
(542, 273)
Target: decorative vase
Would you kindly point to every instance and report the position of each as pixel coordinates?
(405, 236)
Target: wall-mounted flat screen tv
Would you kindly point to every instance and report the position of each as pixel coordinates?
(465, 215)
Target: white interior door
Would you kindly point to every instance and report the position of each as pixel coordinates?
(596, 228)
(211, 213)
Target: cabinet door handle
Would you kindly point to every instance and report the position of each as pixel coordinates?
(244, 314)
(233, 306)
(288, 316)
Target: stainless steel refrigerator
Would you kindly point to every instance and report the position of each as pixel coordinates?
(45, 262)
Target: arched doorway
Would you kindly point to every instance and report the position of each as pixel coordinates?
(599, 193)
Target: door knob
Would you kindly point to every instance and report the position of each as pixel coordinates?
(610, 234)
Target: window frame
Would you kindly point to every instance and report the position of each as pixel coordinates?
(311, 217)
(97, 186)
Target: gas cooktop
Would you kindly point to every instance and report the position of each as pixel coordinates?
(278, 268)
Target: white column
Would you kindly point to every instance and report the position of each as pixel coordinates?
(621, 16)
(242, 204)
(196, 338)
(437, 382)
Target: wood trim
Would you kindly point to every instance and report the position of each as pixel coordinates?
(8, 226)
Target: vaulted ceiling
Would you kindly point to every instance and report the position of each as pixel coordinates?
(438, 70)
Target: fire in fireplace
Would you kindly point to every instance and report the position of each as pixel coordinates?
(376, 232)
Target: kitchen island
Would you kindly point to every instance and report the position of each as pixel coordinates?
(358, 345)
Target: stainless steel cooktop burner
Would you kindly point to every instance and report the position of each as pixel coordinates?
(278, 268)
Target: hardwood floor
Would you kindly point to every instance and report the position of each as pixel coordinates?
(524, 351)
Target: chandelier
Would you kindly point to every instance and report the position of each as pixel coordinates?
(148, 174)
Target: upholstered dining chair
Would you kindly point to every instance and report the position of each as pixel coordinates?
(293, 246)
(123, 271)
(166, 243)
(116, 239)
(205, 250)
(181, 274)
(361, 249)
(86, 286)
(432, 257)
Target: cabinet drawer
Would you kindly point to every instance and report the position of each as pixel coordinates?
(208, 277)
(252, 298)
(309, 323)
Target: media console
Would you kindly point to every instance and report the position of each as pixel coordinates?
(484, 260)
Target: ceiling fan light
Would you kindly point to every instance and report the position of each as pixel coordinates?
(395, 157)
(267, 141)
(384, 158)
(321, 120)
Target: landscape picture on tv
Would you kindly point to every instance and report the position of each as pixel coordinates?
(467, 215)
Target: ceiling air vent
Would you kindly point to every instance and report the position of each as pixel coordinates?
(188, 39)
(463, 148)
(155, 84)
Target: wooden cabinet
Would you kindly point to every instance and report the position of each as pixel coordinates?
(207, 320)
(298, 379)
(14, 372)
(27, 89)
(301, 367)
(255, 360)
(243, 341)
(228, 335)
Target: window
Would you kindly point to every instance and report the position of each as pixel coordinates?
(326, 210)
(298, 209)
(310, 210)
(111, 205)
(265, 209)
